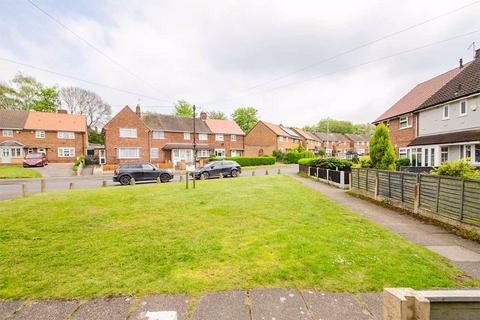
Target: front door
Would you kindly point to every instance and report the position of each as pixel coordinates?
(6, 155)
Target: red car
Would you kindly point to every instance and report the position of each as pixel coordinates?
(37, 159)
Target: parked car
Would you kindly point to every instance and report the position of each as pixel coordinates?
(213, 169)
(140, 172)
(36, 159)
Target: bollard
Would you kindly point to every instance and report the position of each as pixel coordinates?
(202, 177)
(71, 186)
(104, 183)
(158, 180)
(278, 172)
(221, 175)
(266, 172)
(253, 173)
(43, 185)
(24, 189)
(132, 182)
(186, 180)
(181, 178)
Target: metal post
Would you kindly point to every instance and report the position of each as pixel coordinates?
(43, 185)
(194, 145)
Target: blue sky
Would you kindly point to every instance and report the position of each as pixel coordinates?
(211, 52)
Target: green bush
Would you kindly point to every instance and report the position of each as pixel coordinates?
(382, 154)
(293, 156)
(77, 163)
(326, 163)
(403, 162)
(459, 168)
(321, 152)
(311, 162)
(278, 154)
(253, 161)
(365, 162)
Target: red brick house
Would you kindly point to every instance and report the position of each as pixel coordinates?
(159, 138)
(61, 136)
(309, 140)
(264, 138)
(359, 144)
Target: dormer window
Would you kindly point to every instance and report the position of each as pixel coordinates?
(446, 112)
(463, 108)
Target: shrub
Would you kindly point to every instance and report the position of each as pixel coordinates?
(382, 154)
(459, 168)
(253, 161)
(326, 163)
(77, 163)
(365, 162)
(278, 154)
(403, 162)
(311, 162)
(293, 156)
(321, 152)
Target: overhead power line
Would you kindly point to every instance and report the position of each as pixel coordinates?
(361, 46)
(79, 79)
(93, 47)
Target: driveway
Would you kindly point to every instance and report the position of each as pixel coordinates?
(54, 170)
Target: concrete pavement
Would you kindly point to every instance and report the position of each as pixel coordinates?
(256, 304)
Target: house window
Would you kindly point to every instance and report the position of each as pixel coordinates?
(202, 136)
(446, 112)
(425, 157)
(128, 153)
(417, 157)
(186, 136)
(154, 153)
(219, 137)
(220, 153)
(233, 137)
(7, 133)
(65, 135)
(128, 132)
(203, 153)
(158, 135)
(66, 152)
(403, 122)
(40, 134)
(463, 108)
(403, 153)
(236, 153)
(443, 154)
(283, 139)
(477, 153)
(466, 151)
(432, 157)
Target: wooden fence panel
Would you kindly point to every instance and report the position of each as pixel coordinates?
(471, 202)
(428, 192)
(450, 201)
(396, 186)
(383, 184)
(409, 182)
(372, 176)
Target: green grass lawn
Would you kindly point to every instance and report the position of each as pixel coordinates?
(11, 172)
(265, 231)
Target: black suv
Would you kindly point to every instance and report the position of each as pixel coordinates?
(140, 172)
(213, 169)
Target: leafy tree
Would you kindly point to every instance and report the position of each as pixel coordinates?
(337, 126)
(309, 128)
(217, 115)
(80, 101)
(47, 102)
(95, 137)
(245, 117)
(183, 109)
(363, 129)
(382, 154)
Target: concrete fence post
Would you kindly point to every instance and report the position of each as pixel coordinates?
(416, 199)
(317, 175)
(104, 183)
(43, 185)
(24, 190)
(342, 179)
(350, 181)
(328, 176)
(376, 185)
(70, 186)
(132, 182)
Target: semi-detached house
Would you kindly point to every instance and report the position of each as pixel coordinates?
(264, 138)
(61, 136)
(151, 137)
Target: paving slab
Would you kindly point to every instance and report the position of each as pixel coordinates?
(222, 305)
(277, 304)
(8, 307)
(470, 268)
(152, 304)
(46, 310)
(426, 239)
(374, 302)
(115, 308)
(456, 253)
(334, 306)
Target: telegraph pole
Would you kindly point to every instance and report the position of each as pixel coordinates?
(194, 146)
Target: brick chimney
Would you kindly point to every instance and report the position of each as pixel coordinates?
(477, 53)
(203, 115)
(138, 111)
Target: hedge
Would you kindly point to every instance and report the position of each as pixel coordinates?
(326, 163)
(253, 161)
(294, 156)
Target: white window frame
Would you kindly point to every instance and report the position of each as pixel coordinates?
(236, 153)
(282, 138)
(66, 152)
(218, 153)
(233, 137)
(186, 136)
(446, 108)
(403, 122)
(127, 132)
(442, 153)
(204, 153)
(403, 153)
(39, 134)
(154, 153)
(202, 137)
(70, 135)
(460, 113)
(219, 137)
(135, 156)
(7, 132)
(157, 135)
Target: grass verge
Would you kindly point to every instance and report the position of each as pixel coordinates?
(13, 172)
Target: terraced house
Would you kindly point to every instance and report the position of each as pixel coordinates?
(151, 137)
(264, 138)
(61, 136)
(309, 140)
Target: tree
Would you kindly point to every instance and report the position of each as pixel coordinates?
(245, 117)
(336, 126)
(48, 101)
(85, 102)
(363, 129)
(217, 115)
(95, 137)
(183, 109)
(382, 155)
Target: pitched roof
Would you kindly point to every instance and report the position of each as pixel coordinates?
(464, 84)
(164, 122)
(291, 133)
(55, 122)
(224, 126)
(418, 95)
(357, 137)
(13, 119)
(275, 128)
(452, 137)
(331, 136)
(306, 134)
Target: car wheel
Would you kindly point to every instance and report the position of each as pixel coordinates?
(204, 176)
(164, 178)
(124, 180)
(234, 173)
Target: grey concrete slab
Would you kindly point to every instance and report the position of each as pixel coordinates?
(222, 305)
(426, 239)
(277, 304)
(456, 253)
(334, 306)
(46, 310)
(115, 308)
(374, 302)
(8, 307)
(470, 268)
(177, 303)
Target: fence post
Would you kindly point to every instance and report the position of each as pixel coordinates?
(462, 199)
(158, 180)
(70, 186)
(328, 176)
(401, 184)
(24, 190)
(317, 172)
(43, 185)
(350, 180)
(376, 185)
(366, 179)
(181, 178)
(389, 185)
(438, 194)
(416, 196)
(342, 179)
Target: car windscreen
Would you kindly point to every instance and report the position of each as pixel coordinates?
(34, 156)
